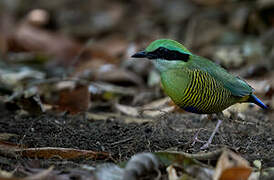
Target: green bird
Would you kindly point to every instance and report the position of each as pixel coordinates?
(195, 83)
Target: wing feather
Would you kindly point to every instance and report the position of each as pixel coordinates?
(236, 85)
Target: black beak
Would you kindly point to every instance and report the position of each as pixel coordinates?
(141, 54)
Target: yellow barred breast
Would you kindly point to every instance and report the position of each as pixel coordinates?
(205, 95)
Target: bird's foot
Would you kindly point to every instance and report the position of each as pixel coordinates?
(207, 144)
(195, 138)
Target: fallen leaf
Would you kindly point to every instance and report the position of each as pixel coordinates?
(63, 153)
(6, 26)
(30, 38)
(74, 100)
(183, 165)
(236, 173)
(180, 158)
(50, 152)
(157, 107)
(15, 78)
(131, 111)
(231, 166)
(8, 146)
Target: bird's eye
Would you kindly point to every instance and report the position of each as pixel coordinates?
(151, 55)
(164, 53)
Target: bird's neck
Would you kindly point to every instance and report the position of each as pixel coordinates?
(164, 65)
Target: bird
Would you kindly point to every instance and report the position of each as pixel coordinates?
(197, 84)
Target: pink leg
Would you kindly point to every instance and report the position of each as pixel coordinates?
(195, 138)
(206, 145)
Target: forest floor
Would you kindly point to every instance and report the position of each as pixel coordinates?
(251, 136)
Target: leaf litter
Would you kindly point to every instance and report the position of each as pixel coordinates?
(74, 105)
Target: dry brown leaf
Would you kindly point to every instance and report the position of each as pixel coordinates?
(6, 26)
(230, 163)
(50, 152)
(8, 146)
(236, 173)
(75, 100)
(63, 153)
(3, 44)
(34, 39)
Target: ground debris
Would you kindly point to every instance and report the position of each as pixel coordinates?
(70, 91)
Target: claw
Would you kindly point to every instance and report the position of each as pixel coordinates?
(195, 138)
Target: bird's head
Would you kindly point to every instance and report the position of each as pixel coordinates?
(167, 54)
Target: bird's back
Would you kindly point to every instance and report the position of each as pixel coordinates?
(235, 85)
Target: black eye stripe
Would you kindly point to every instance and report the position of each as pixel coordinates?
(164, 53)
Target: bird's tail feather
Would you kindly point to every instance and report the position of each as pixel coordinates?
(255, 100)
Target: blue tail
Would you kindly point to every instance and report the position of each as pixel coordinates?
(257, 101)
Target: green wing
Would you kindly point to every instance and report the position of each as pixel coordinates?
(235, 85)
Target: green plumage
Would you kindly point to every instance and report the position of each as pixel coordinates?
(194, 83)
(199, 92)
(204, 86)
(235, 85)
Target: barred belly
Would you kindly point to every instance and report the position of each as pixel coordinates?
(205, 95)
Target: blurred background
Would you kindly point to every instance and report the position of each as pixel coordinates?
(45, 43)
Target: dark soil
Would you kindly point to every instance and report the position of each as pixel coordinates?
(251, 137)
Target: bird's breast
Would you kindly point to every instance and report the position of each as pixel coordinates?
(196, 91)
(174, 83)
